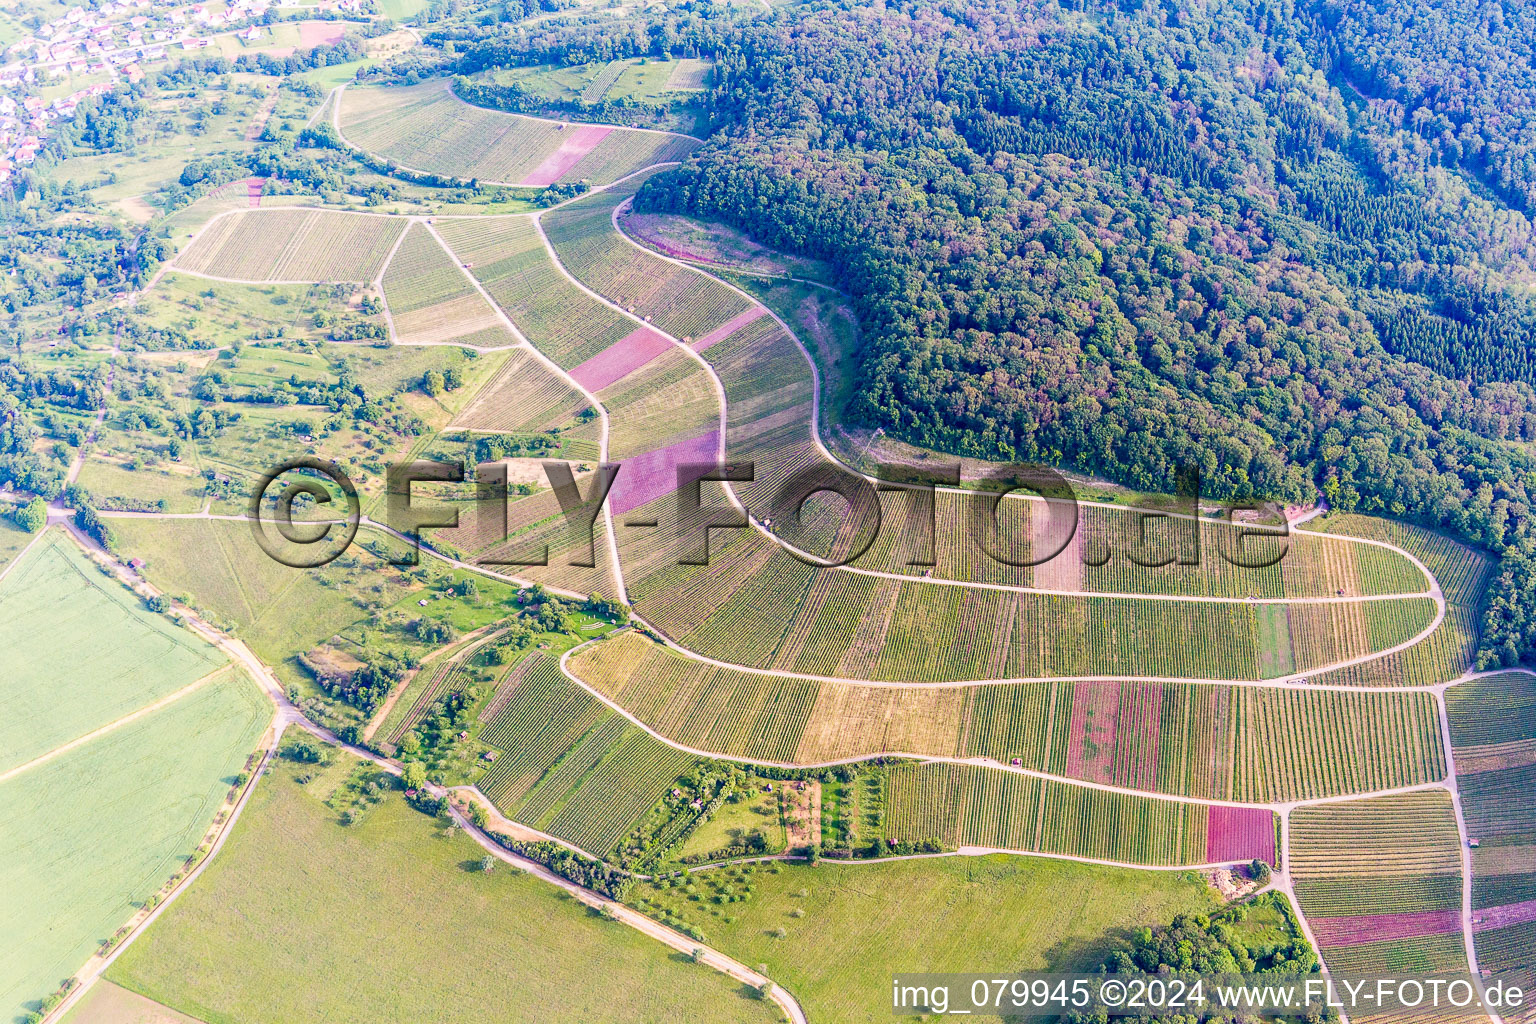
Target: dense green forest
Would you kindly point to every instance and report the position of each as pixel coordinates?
(1126, 238)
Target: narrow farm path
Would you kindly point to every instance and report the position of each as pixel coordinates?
(112, 726)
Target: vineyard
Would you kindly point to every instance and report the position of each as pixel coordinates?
(431, 300)
(525, 396)
(1213, 742)
(426, 128)
(899, 630)
(1493, 730)
(446, 676)
(680, 301)
(1380, 881)
(967, 805)
(293, 245)
(670, 399)
(507, 256)
(1463, 576)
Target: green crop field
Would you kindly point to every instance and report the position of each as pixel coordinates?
(55, 600)
(303, 919)
(427, 128)
(293, 245)
(994, 914)
(431, 300)
(96, 830)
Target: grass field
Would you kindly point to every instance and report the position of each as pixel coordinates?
(293, 245)
(280, 612)
(96, 830)
(846, 928)
(302, 919)
(12, 540)
(121, 655)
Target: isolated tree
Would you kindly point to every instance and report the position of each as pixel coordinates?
(415, 775)
(32, 516)
(487, 863)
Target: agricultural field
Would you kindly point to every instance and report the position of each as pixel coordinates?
(266, 933)
(507, 255)
(969, 805)
(680, 301)
(1463, 576)
(102, 827)
(293, 245)
(999, 914)
(862, 627)
(134, 657)
(431, 299)
(427, 128)
(1493, 731)
(115, 760)
(1207, 741)
(525, 396)
(1380, 882)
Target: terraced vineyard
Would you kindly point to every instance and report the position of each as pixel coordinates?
(861, 627)
(571, 766)
(431, 300)
(1463, 576)
(1493, 729)
(525, 396)
(1212, 742)
(293, 245)
(1107, 704)
(426, 128)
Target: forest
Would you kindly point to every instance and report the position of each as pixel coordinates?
(1128, 238)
